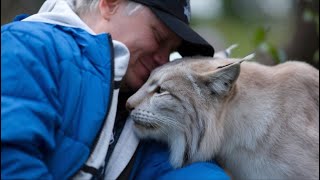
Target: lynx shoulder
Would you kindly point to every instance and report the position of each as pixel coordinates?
(258, 121)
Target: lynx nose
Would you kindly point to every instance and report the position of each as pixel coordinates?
(129, 106)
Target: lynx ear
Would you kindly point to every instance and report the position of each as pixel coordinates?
(221, 80)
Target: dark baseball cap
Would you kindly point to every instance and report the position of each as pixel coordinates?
(176, 14)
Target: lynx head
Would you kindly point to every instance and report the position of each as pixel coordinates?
(180, 104)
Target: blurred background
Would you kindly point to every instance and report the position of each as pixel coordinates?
(276, 30)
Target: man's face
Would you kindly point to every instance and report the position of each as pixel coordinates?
(149, 41)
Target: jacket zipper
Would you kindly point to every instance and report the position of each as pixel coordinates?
(110, 94)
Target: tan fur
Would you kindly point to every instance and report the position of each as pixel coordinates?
(259, 122)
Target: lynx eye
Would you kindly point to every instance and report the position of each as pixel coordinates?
(160, 90)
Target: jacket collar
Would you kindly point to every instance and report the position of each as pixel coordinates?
(59, 12)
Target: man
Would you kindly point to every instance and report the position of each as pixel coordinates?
(61, 71)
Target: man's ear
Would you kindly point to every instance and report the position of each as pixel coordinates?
(221, 80)
(108, 8)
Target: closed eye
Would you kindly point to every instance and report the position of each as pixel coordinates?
(157, 36)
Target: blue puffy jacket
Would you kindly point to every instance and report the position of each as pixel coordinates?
(152, 162)
(56, 84)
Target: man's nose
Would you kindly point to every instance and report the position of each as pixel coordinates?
(161, 58)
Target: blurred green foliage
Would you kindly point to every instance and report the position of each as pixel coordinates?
(274, 39)
(260, 41)
(312, 16)
(252, 36)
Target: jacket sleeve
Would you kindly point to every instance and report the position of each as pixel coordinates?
(152, 162)
(29, 106)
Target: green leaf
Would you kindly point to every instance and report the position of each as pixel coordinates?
(274, 54)
(278, 55)
(259, 36)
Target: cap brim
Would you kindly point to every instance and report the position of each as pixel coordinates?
(193, 44)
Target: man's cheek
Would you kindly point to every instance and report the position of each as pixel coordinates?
(131, 81)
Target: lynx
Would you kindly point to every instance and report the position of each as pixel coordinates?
(257, 121)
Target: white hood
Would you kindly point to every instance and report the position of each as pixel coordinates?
(59, 12)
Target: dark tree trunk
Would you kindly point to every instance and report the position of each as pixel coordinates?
(305, 41)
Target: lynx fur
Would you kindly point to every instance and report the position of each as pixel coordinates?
(257, 121)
